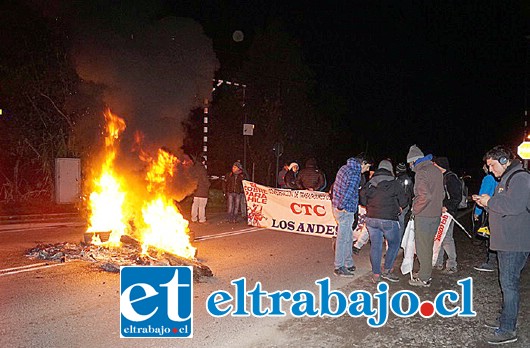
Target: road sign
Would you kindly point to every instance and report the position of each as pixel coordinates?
(523, 150)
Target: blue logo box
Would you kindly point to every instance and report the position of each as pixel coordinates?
(156, 302)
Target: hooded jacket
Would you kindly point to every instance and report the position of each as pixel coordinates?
(233, 182)
(508, 215)
(310, 177)
(428, 189)
(203, 183)
(383, 196)
(346, 186)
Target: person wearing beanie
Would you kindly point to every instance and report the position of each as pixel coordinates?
(233, 188)
(427, 210)
(384, 199)
(311, 177)
(414, 154)
(290, 176)
(401, 168)
(452, 197)
(386, 164)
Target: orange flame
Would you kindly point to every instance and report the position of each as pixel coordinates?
(107, 200)
(159, 223)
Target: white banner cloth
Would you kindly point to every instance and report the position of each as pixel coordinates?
(295, 211)
(408, 243)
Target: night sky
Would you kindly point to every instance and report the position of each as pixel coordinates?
(448, 76)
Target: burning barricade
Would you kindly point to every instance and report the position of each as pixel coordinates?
(131, 221)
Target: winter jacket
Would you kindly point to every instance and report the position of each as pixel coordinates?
(508, 215)
(383, 196)
(346, 186)
(488, 185)
(290, 180)
(310, 177)
(408, 186)
(428, 189)
(203, 183)
(281, 178)
(452, 192)
(233, 183)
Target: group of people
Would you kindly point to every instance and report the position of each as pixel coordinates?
(309, 178)
(389, 196)
(436, 190)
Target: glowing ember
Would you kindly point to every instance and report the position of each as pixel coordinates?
(159, 224)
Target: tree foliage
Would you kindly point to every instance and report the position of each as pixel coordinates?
(39, 96)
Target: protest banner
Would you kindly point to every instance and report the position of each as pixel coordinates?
(295, 211)
(409, 246)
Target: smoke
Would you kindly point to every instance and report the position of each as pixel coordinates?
(152, 78)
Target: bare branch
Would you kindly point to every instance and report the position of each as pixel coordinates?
(31, 146)
(58, 110)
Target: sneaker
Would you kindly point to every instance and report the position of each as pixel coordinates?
(485, 267)
(343, 272)
(501, 337)
(438, 267)
(418, 282)
(390, 277)
(355, 250)
(351, 269)
(451, 270)
(376, 278)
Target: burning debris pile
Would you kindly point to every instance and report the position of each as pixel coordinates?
(132, 220)
(110, 259)
(121, 205)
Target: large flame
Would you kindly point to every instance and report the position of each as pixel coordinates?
(107, 198)
(158, 223)
(166, 228)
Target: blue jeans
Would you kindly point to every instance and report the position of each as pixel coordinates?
(233, 201)
(511, 263)
(379, 230)
(343, 247)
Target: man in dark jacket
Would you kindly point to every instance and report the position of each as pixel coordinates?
(233, 188)
(384, 199)
(427, 210)
(453, 195)
(200, 196)
(310, 178)
(509, 219)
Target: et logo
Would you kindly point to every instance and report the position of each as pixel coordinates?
(156, 302)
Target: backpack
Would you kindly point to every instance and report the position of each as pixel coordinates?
(464, 192)
(510, 178)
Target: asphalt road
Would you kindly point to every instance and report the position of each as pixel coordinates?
(75, 304)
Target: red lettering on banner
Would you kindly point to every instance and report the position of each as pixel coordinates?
(257, 197)
(440, 230)
(318, 210)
